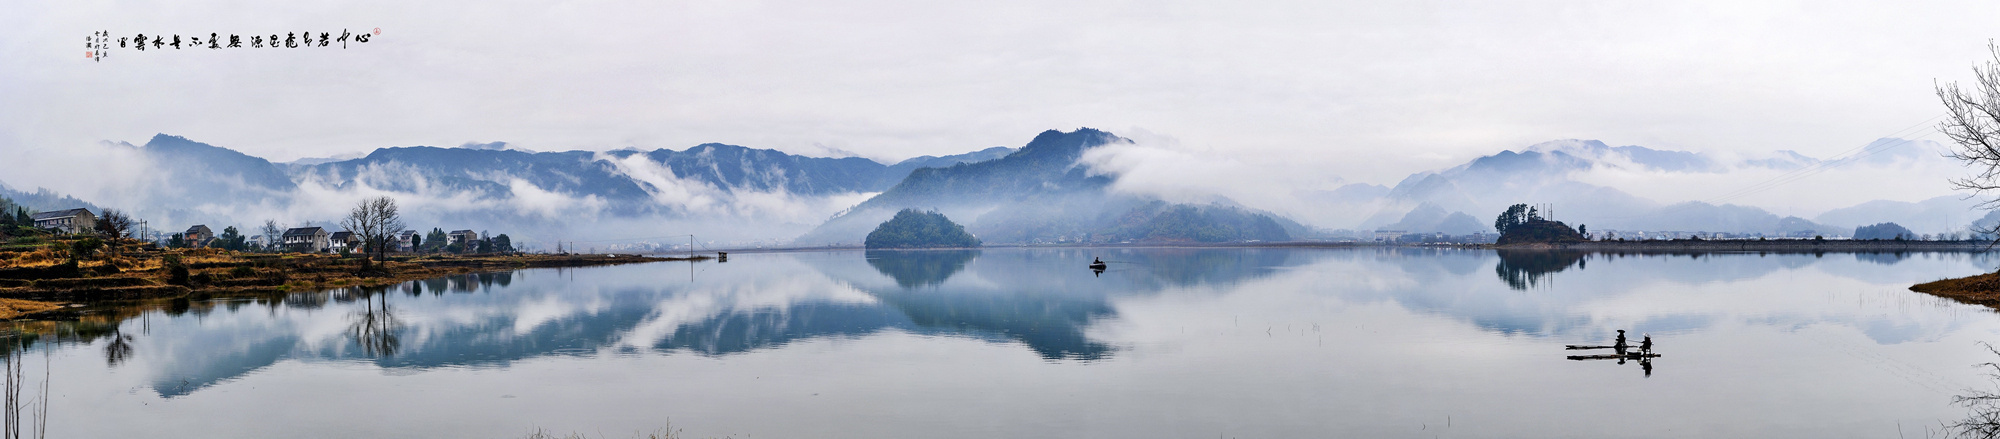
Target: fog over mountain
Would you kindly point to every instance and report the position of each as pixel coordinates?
(1589, 182)
(1082, 184)
(717, 191)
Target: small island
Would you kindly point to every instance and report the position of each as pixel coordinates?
(1524, 225)
(920, 229)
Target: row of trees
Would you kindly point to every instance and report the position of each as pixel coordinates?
(376, 222)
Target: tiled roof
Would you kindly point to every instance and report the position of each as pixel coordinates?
(59, 214)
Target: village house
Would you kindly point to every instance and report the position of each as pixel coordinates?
(463, 237)
(1389, 235)
(404, 241)
(198, 236)
(343, 240)
(306, 239)
(72, 221)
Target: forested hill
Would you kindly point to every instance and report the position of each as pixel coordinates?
(916, 229)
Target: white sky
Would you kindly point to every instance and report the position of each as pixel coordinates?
(1367, 92)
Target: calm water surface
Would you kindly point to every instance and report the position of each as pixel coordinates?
(1028, 343)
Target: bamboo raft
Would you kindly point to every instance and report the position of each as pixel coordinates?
(1628, 356)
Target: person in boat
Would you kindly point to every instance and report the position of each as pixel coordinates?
(1096, 261)
(1619, 345)
(1646, 344)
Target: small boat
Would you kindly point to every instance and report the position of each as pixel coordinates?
(1097, 264)
(1633, 355)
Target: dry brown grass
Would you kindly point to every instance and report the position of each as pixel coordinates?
(41, 257)
(1983, 289)
(11, 308)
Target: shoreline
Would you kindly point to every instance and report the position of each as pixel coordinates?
(253, 275)
(1664, 246)
(232, 274)
(1775, 245)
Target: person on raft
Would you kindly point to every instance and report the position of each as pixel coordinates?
(1646, 344)
(1620, 344)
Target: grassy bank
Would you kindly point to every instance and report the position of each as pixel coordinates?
(1982, 289)
(41, 276)
(1768, 245)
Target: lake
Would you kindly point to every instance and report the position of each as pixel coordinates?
(1197, 343)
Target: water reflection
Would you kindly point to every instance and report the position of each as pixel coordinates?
(1884, 258)
(917, 268)
(1039, 300)
(375, 328)
(1523, 269)
(1295, 342)
(117, 349)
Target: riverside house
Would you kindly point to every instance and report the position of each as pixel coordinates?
(73, 221)
(342, 240)
(306, 239)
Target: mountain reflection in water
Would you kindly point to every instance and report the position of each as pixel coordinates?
(1041, 300)
(1249, 342)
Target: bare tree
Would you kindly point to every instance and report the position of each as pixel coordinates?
(1973, 122)
(271, 234)
(375, 221)
(114, 224)
(1982, 418)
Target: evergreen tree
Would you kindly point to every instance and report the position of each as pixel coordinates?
(435, 240)
(230, 239)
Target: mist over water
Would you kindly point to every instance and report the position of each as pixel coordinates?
(1242, 342)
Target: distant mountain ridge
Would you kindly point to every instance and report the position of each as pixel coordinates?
(1542, 173)
(1041, 193)
(1038, 192)
(193, 182)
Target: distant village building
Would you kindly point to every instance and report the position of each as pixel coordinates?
(306, 239)
(404, 241)
(1388, 235)
(463, 237)
(257, 241)
(342, 240)
(73, 221)
(198, 236)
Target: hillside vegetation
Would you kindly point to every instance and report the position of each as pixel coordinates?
(1521, 224)
(920, 229)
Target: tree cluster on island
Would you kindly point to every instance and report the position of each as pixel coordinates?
(1521, 224)
(1883, 231)
(912, 228)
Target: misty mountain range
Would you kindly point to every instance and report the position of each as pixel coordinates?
(1036, 192)
(1545, 174)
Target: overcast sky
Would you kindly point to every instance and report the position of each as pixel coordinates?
(1367, 92)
